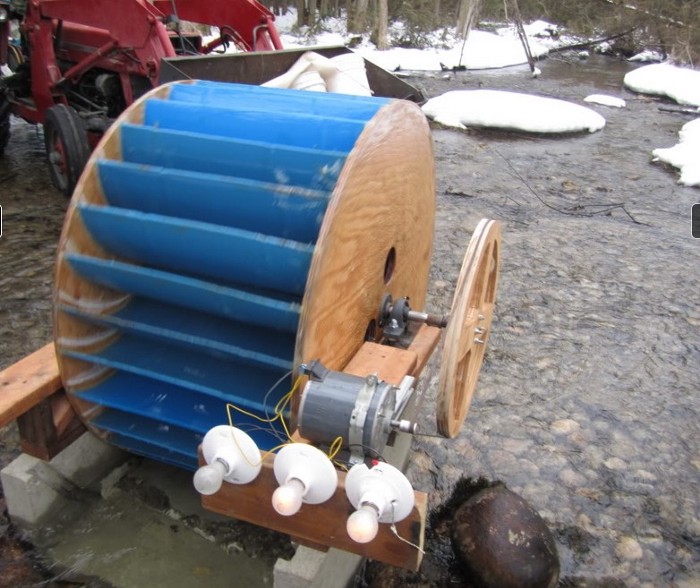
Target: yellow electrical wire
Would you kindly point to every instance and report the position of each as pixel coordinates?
(335, 447)
(279, 410)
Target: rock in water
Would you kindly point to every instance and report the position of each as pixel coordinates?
(503, 542)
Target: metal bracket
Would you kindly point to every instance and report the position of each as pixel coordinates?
(356, 426)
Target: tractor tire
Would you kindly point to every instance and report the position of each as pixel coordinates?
(67, 146)
(4, 122)
(15, 57)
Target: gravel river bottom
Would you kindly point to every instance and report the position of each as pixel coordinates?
(587, 402)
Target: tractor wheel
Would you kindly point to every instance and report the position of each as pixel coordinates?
(4, 122)
(15, 57)
(66, 146)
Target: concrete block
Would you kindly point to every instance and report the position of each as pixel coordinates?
(35, 490)
(310, 568)
(87, 460)
(299, 571)
(338, 569)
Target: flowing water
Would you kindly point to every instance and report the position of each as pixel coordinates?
(587, 403)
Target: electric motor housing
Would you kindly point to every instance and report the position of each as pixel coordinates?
(359, 410)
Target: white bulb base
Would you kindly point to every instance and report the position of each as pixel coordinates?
(231, 456)
(381, 493)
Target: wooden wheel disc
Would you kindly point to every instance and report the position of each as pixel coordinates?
(376, 237)
(468, 329)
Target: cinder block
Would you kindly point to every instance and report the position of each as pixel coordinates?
(35, 490)
(310, 568)
(299, 571)
(87, 460)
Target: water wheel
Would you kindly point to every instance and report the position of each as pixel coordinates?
(223, 234)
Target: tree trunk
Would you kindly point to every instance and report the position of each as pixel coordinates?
(324, 8)
(306, 13)
(467, 16)
(383, 25)
(302, 16)
(357, 17)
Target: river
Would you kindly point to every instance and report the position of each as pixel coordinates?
(587, 402)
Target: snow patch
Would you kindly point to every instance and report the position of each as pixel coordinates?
(606, 100)
(685, 155)
(511, 111)
(662, 79)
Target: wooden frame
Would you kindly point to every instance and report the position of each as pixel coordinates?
(32, 393)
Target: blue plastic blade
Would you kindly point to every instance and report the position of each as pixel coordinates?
(234, 303)
(201, 249)
(298, 130)
(273, 209)
(249, 159)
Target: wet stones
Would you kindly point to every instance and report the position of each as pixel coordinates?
(503, 543)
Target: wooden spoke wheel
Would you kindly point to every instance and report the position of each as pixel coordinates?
(468, 329)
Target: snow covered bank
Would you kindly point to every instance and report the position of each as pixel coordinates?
(685, 155)
(511, 111)
(662, 79)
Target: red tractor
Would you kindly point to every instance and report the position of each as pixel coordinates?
(76, 64)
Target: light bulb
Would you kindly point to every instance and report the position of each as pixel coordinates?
(208, 479)
(363, 524)
(286, 500)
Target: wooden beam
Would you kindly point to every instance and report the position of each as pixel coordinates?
(321, 524)
(49, 427)
(31, 392)
(27, 382)
(391, 364)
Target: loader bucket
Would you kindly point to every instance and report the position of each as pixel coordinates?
(256, 68)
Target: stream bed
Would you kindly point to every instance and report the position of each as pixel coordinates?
(587, 402)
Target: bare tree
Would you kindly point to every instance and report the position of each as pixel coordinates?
(357, 16)
(306, 12)
(467, 15)
(383, 24)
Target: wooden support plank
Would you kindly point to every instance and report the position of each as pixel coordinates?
(389, 364)
(28, 382)
(32, 393)
(49, 427)
(321, 524)
(423, 345)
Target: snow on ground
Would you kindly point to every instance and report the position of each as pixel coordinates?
(509, 110)
(662, 79)
(512, 111)
(685, 155)
(483, 50)
(606, 100)
(683, 86)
